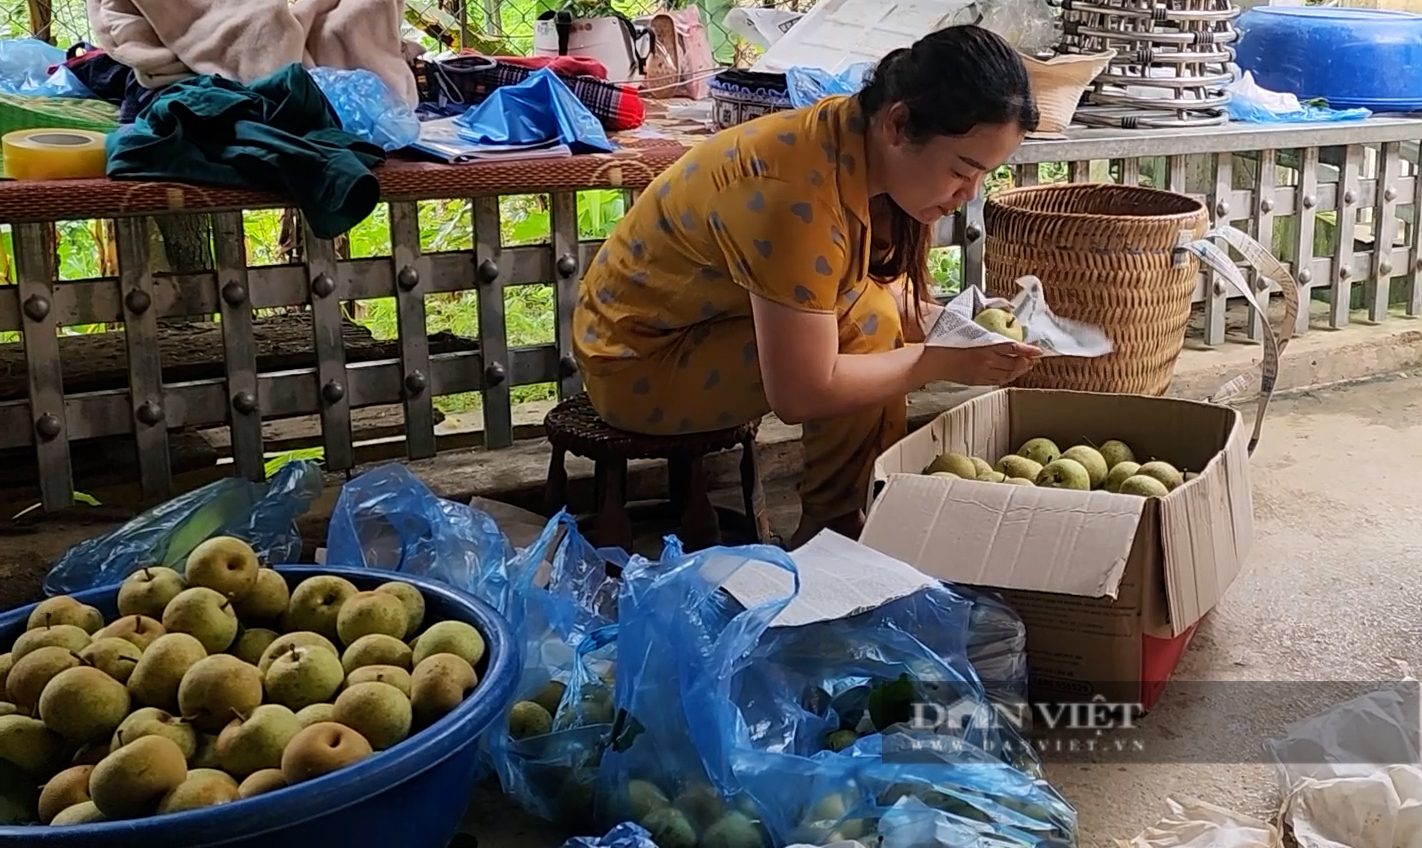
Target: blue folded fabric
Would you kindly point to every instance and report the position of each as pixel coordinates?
(539, 110)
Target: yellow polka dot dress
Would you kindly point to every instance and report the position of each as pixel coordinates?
(662, 330)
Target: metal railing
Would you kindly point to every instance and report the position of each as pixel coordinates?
(1287, 185)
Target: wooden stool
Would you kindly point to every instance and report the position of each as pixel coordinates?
(574, 427)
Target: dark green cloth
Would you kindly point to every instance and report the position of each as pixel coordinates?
(278, 134)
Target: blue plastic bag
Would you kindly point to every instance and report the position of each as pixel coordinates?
(262, 514)
(808, 86)
(569, 634)
(725, 724)
(1251, 103)
(538, 110)
(368, 109)
(388, 518)
(24, 69)
(625, 835)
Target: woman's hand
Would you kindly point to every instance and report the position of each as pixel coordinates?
(990, 365)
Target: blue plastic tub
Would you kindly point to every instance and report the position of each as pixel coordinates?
(410, 796)
(1353, 58)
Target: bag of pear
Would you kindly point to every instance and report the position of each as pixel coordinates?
(547, 748)
(732, 731)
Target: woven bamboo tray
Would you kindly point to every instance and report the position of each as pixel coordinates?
(1107, 255)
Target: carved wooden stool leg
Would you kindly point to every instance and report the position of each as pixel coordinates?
(678, 483)
(700, 527)
(754, 493)
(555, 492)
(612, 527)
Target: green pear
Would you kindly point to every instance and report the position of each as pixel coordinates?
(63, 791)
(315, 714)
(206, 615)
(1115, 452)
(1143, 486)
(1064, 474)
(287, 641)
(113, 656)
(201, 788)
(1019, 481)
(527, 719)
(953, 463)
(83, 705)
(217, 686)
(90, 755)
(26, 742)
(268, 599)
(155, 680)
(261, 782)
(841, 739)
(316, 603)
(7, 708)
(642, 797)
(1040, 451)
(394, 675)
(138, 629)
(1019, 466)
(701, 804)
(1118, 474)
(993, 477)
(735, 830)
(252, 644)
(255, 742)
(438, 685)
(304, 676)
(84, 813)
(63, 609)
(1164, 472)
(1089, 458)
(34, 671)
(377, 649)
(205, 753)
(367, 613)
(7, 662)
(450, 637)
(981, 465)
(131, 781)
(148, 591)
(321, 749)
(1002, 322)
(151, 721)
(226, 565)
(378, 711)
(1189, 475)
(669, 828)
(413, 600)
(66, 636)
(550, 696)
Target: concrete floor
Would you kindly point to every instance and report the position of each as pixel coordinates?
(1330, 592)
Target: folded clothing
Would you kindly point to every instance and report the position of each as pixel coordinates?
(279, 134)
(453, 85)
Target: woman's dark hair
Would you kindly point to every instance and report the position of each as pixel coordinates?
(951, 81)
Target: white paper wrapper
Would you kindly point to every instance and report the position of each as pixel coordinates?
(1055, 335)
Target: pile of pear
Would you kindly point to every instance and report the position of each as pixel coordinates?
(1112, 467)
(217, 684)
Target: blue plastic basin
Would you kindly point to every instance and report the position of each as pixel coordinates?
(1352, 58)
(410, 796)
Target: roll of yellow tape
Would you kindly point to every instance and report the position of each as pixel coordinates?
(53, 154)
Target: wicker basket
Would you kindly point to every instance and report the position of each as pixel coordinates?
(1107, 255)
(1057, 86)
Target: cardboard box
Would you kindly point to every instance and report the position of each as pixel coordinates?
(1111, 587)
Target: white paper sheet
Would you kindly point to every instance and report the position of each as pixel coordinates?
(838, 578)
(1055, 335)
